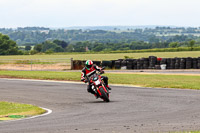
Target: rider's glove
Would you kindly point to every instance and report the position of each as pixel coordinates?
(101, 71)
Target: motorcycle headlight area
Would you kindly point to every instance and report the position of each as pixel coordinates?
(97, 82)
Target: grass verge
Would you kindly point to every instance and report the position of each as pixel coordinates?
(105, 56)
(145, 80)
(10, 110)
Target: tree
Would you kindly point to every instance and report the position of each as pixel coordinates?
(38, 47)
(58, 49)
(28, 48)
(173, 44)
(48, 45)
(7, 46)
(32, 52)
(63, 44)
(100, 47)
(191, 44)
(70, 48)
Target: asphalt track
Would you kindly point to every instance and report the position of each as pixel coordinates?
(132, 109)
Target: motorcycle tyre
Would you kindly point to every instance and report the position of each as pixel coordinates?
(104, 95)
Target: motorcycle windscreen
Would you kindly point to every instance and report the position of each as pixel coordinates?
(95, 79)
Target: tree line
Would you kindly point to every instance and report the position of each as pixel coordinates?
(85, 46)
(35, 35)
(8, 46)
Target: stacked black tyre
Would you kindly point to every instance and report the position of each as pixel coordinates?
(198, 63)
(194, 63)
(129, 63)
(182, 63)
(146, 63)
(124, 64)
(163, 61)
(134, 64)
(113, 63)
(152, 62)
(177, 63)
(168, 62)
(107, 64)
(117, 64)
(140, 64)
(188, 63)
(98, 63)
(172, 63)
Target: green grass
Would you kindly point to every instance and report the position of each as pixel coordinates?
(103, 56)
(46, 75)
(7, 108)
(145, 80)
(157, 80)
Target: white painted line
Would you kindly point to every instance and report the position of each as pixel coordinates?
(125, 85)
(48, 111)
(72, 82)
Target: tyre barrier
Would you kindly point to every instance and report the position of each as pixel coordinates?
(123, 63)
(98, 63)
(118, 64)
(107, 64)
(78, 64)
(145, 63)
(129, 64)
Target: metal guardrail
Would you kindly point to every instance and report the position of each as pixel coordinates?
(54, 64)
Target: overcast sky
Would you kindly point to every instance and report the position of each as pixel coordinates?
(65, 13)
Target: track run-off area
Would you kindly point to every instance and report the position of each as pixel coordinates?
(132, 109)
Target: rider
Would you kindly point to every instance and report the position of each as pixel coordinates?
(89, 70)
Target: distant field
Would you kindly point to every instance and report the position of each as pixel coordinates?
(113, 56)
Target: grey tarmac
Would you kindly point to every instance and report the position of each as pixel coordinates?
(132, 109)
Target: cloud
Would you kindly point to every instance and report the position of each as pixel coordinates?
(59, 13)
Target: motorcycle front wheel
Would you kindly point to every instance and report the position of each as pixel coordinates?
(104, 95)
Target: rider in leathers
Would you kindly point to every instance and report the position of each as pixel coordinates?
(88, 71)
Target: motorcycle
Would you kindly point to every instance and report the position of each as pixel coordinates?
(98, 86)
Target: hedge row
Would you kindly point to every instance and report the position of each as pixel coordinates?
(146, 63)
(158, 50)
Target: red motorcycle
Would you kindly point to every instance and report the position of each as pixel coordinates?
(99, 86)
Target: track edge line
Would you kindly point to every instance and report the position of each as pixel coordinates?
(48, 111)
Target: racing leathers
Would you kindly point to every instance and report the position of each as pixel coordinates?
(90, 72)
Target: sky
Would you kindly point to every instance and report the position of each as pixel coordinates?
(66, 13)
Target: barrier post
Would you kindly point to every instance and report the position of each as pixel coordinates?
(72, 67)
(31, 64)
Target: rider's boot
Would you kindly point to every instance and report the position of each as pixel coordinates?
(108, 87)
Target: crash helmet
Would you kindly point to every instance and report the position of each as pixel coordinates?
(88, 64)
